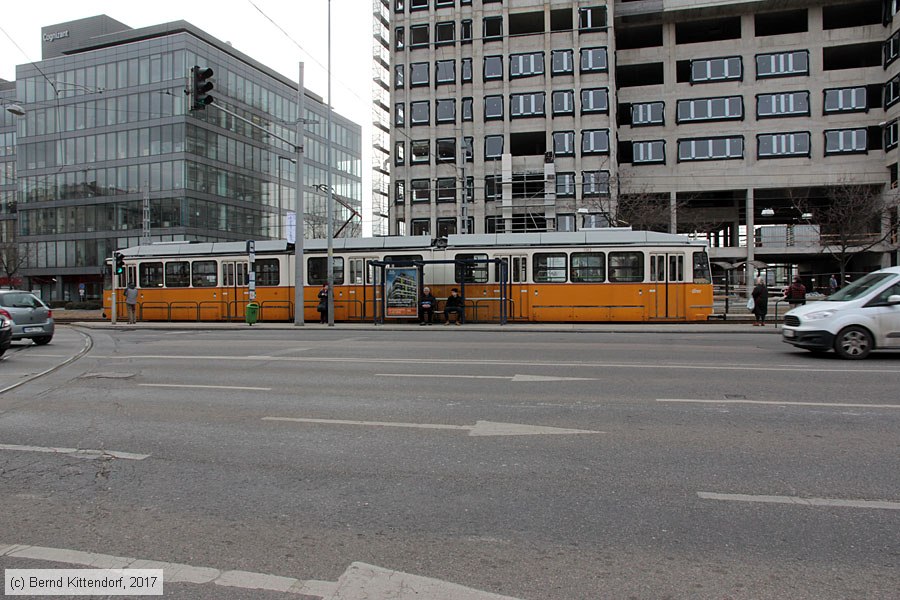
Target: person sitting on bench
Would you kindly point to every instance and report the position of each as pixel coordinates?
(453, 306)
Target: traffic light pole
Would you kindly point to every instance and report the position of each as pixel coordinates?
(112, 270)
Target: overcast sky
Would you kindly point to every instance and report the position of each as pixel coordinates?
(237, 21)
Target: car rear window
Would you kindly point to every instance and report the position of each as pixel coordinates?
(19, 301)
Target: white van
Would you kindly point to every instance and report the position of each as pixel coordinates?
(855, 320)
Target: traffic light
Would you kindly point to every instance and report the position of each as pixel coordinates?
(201, 86)
(120, 263)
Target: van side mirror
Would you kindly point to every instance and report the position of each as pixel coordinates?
(894, 299)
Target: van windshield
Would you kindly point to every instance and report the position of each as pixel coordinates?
(859, 288)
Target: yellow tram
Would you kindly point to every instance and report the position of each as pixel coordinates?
(587, 276)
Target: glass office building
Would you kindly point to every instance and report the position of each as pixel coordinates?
(109, 151)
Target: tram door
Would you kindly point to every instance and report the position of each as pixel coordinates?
(667, 275)
(519, 292)
(235, 290)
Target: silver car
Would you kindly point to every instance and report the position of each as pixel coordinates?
(31, 318)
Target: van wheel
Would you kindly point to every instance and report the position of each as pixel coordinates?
(853, 343)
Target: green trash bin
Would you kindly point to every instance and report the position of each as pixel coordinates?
(251, 314)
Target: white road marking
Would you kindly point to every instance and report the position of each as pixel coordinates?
(174, 572)
(780, 402)
(441, 376)
(481, 428)
(361, 581)
(529, 364)
(877, 504)
(210, 387)
(76, 452)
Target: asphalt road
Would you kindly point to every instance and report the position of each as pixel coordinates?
(680, 466)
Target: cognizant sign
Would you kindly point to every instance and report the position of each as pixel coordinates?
(56, 35)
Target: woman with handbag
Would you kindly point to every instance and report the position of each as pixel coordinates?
(760, 296)
(323, 304)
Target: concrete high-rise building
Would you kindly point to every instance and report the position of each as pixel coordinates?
(741, 120)
(109, 151)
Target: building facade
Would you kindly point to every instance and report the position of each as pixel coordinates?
(109, 151)
(741, 121)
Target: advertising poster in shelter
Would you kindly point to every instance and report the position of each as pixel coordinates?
(401, 297)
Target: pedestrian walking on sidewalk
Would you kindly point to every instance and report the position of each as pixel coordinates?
(760, 295)
(131, 298)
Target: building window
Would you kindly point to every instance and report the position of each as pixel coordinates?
(526, 105)
(468, 148)
(565, 222)
(891, 136)
(446, 226)
(399, 192)
(418, 5)
(593, 59)
(649, 152)
(562, 62)
(399, 119)
(709, 109)
(466, 70)
(399, 39)
(441, 3)
(398, 76)
(418, 36)
(778, 145)
(494, 225)
(782, 105)
(526, 65)
(892, 91)
(891, 48)
(420, 227)
(853, 99)
(493, 107)
(594, 184)
(445, 111)
(421, 190)
(647, 113)
(444, 72)
(591, 19)
(563, 102)
(493, 67)
(595, 141)
(418, 74)
(493, 29)
(446, 189)
(419, 113)
(465, 31)
(782, 64)
(716, 69)
(492, 187)
(846, 141)
(446, 149)
(445, 33)
(719, 148)
(493, 146)
(398, 6)
(565, 184)
(564, 143)
(594, 101)
(420, 152)
(399, 153)
(467, 109)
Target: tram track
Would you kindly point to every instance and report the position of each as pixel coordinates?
(86, 347)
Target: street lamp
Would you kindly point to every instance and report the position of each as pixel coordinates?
(15, 109)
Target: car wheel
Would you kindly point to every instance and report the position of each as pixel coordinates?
(43, 340)
(854, 343)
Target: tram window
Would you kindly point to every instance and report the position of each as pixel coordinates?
(203, 273)
(701, 268)
(267, 271)
(550, 268)
(626, 266)
(317, 268)
(151, 274)
(472, 273)
(178, 274)
(402, 260)
(676, 268)
(588, 267)
(357, 268)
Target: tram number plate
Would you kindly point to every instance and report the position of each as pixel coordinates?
(788, 333)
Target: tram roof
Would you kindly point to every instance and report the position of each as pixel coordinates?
(607, 236)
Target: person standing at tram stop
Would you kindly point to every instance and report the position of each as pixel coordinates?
(427, 303)
(131, 298)
(832, 285)
(760, 295)
(453, 306)
(323, 303)
(796, 293)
